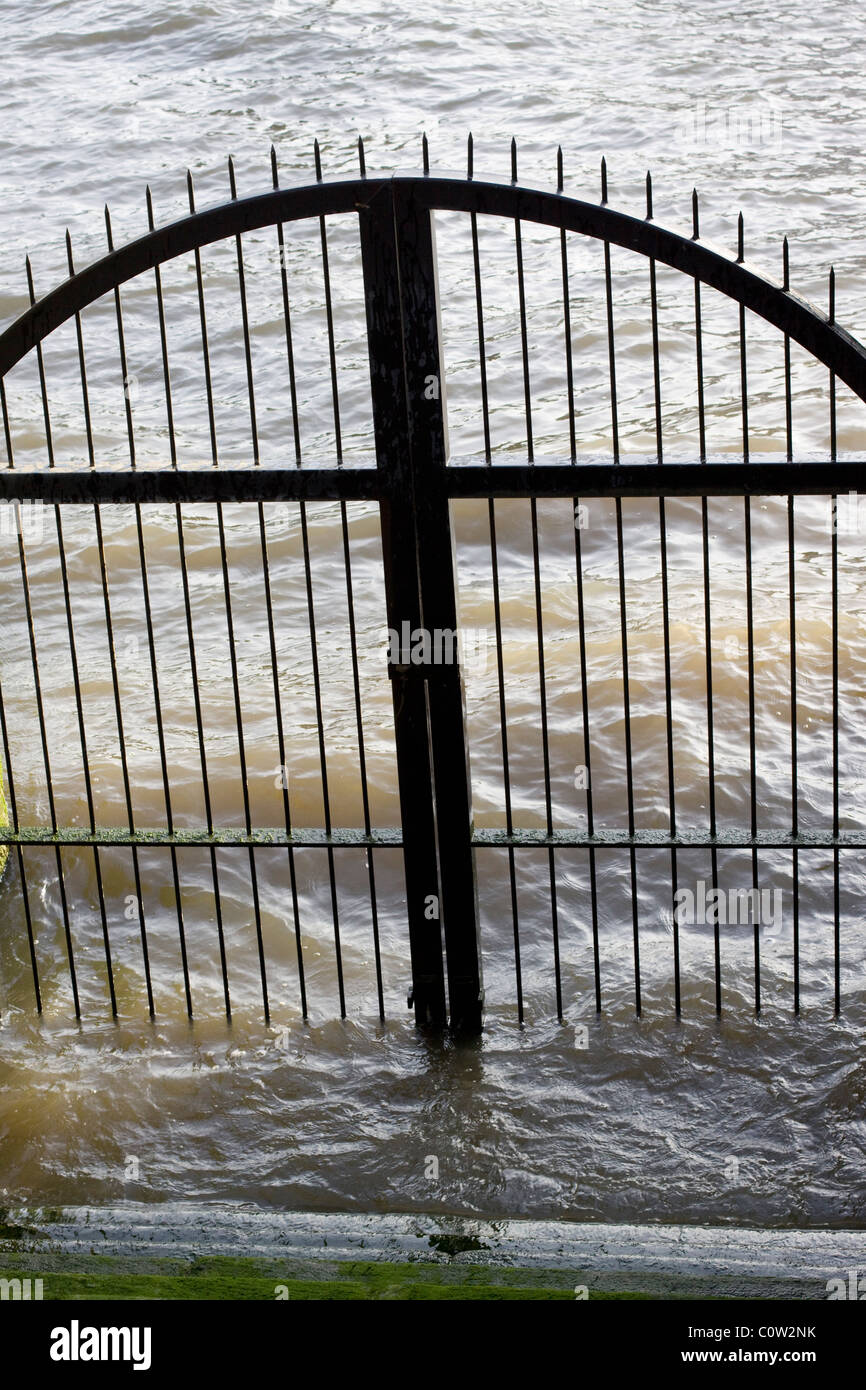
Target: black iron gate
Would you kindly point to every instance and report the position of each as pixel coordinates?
(414, 485)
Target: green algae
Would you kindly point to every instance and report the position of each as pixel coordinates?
(4, 821)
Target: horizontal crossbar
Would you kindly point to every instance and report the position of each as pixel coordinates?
(130, 485)
(221, 837)
(227, 837)
(546, 478)
(466, 479)
(662, 839)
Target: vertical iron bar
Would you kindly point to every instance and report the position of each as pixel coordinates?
(191, 645)
(254, 436)
(792, 628)
(539, 617)
(148, 614)
(708, 630)
(227, 586)
(497, 603)
(356, 685)
(699, 339)
(215, 461)
(25, 892)
(506, 763)
(666, 626)
(40, 712)
(657, 384)
(750, 625)
(545, 750)
(629, 775)
(608, 282)
(569, 371)
(73, 655)
(611, 351)
(837, 1001)
(566, 315)
(753, 792)
(205, 348)
(7, 432)
(305, 534)
(350, 599)
(329, 318)
(112, 654)
(584, 694)
(362, 755)
(479, 319)
(521, 292)
(293, 392)
(287, 319)
(323, 762)
(305, 539)
(581, 616)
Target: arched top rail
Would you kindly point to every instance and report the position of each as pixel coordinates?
(803, 322)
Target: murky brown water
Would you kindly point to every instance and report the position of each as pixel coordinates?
(749, 1120)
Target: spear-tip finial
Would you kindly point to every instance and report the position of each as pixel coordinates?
(832, 294)
(696, 216)
(513, 159)
(362, 162)
(603, 179)
(786, 267)
(559, 173)
(425, 152)
(740, 239)
(649, 194)
(317, 156)
(470, 156)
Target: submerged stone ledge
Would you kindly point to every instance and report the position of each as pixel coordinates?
(652, 1261)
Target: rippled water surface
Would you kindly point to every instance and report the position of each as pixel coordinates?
(755, 1120)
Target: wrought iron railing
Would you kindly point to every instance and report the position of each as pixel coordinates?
(86, 479)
